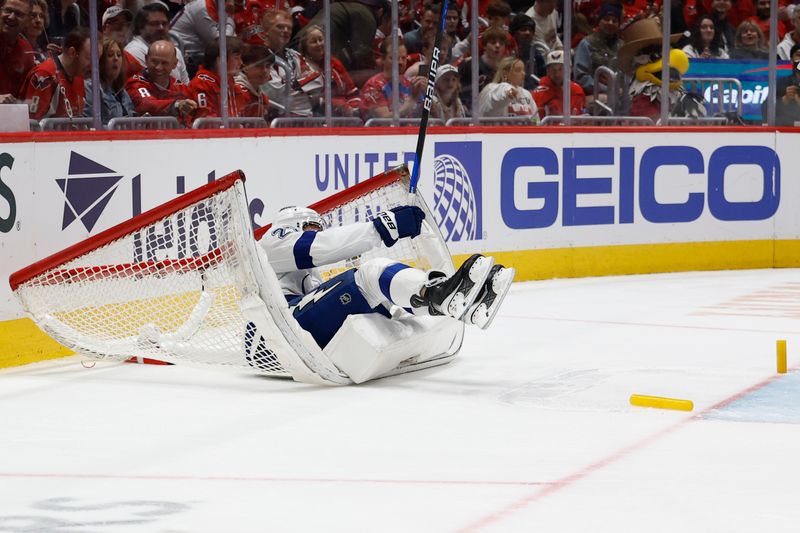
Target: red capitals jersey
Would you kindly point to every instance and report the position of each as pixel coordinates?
(550, 98)
(149, 98)
(15, 63)
(49, 92)
(205, 90)
(248, 23)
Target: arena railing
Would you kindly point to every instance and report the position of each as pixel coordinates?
(144, 123)
(66, 124)
(612, 80)
(316, 122)
(590, 120)
(233, 122)
(381, 122)
(722, 95)
(490, 121)
(698, 121)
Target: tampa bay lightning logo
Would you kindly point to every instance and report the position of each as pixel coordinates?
(87, 189)
(457, 190)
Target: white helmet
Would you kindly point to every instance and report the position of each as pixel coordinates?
(299, 218)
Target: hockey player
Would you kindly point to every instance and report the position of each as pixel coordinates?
(296, 244)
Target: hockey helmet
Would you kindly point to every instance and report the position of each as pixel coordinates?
(301, 218)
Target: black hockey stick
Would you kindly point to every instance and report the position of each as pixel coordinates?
(426, 103)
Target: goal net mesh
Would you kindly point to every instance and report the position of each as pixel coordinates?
(178, 287)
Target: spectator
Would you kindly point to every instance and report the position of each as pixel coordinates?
(791, 38)
(446, 103)
(247, 18)
(116, 24)
(505, 96)
(787, 93)
(154, 91)
(636, 9)
(749, 43)
(499, 14)
(252, 101)
(420, 67)
(737, 11)
(705, 42)
(151, 24)
(452, 25)
(346, 100)
(522, 29)
(34, 31)
(197, 26)
(54, 88)
(761, 18)
(720, 13)
(65, 16)
(599, 49)
(206, 88)
(353, 26)
(545, 16)
(377, 92)
(494, 43)
(115, 101)
(428, 23)
(16, 57)
(549, 96)
(305, 84)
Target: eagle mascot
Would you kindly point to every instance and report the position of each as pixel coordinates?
(640, 59)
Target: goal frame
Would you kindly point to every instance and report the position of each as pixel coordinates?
(298, 354)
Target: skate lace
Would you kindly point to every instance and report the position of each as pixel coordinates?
(435, 278)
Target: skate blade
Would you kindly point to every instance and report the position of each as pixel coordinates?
(478, 274)
(501, 284)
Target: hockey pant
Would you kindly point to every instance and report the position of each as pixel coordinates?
(368, 289)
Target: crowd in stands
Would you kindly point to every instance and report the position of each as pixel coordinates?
(162, 58)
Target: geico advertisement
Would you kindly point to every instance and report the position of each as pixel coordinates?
(487, 192)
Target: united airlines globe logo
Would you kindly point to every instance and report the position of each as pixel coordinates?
(455, 207)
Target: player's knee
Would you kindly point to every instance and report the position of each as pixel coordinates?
(373, 268)
(369, 278)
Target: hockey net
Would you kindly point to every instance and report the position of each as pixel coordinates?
(187, 283)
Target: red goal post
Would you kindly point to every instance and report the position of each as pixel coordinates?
(219, 304)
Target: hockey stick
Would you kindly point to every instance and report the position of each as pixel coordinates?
(426, 104)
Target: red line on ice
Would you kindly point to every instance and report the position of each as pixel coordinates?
(559, 484)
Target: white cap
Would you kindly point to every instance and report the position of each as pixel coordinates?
(444, 69)
(556, 57)
(115, 11)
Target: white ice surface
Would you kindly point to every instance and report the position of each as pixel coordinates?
(529, 429)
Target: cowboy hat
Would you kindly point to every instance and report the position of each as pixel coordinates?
(637, 35)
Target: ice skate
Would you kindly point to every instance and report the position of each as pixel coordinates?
(484, 308)
(454, 295)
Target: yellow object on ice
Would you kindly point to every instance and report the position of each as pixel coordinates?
(781, 346)
(661, 403)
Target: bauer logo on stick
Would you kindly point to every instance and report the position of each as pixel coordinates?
(431, 79)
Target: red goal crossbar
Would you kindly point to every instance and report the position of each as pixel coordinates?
(350, 194)
(126, 228)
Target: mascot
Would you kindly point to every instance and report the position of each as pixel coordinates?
(640, 60)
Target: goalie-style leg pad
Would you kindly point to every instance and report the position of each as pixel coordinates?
(483, 310)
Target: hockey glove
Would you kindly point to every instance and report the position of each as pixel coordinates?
(399, 222)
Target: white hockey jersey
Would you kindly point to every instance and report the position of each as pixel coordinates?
(294, 255)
